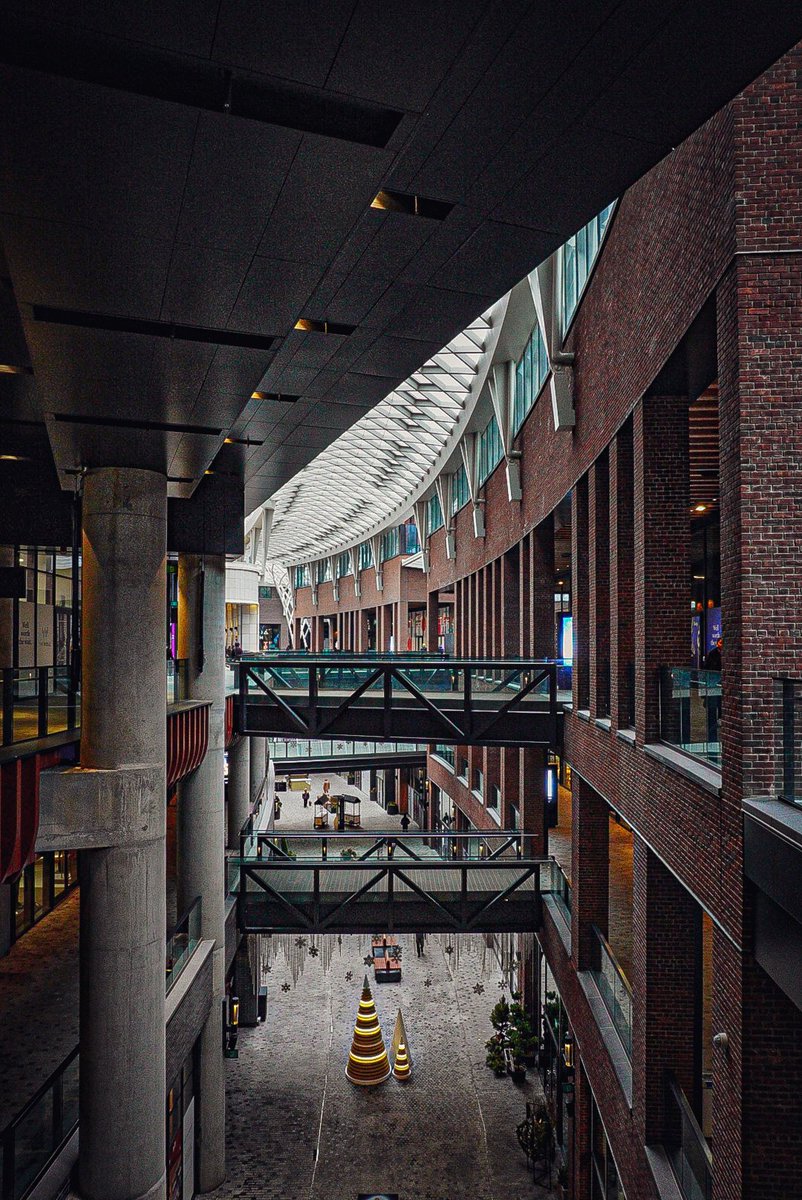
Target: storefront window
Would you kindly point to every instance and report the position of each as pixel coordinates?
(39, 888)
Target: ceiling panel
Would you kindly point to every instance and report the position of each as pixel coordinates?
(327, 189)
(236, 174)
(184, 25)
(396, 54)
(273, 295)
(80, 267)
(293, 39)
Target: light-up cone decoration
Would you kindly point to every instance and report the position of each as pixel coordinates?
(368, 1063)
(401, 1067)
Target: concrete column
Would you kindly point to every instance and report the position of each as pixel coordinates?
(123, 911)
(239, 788)
(202, 831)
(401, 625)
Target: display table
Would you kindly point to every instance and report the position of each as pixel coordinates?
(386, 960)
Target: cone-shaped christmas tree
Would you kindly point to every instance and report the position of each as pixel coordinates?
(399, 1036)
(401, 1067)
(367, 1063)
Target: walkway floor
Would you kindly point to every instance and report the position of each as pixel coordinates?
(38, 1005)
(296, 1126)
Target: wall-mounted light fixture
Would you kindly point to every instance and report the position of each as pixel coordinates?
(230, 1026)
(568, 1050)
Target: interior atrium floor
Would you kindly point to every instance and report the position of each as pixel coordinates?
(297, 1127)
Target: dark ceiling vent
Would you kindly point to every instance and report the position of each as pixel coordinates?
(198, 84)
(144, 426)
(162, 329)
(413, 206)
(306, 325)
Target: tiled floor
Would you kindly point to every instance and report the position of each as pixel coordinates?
(38, 1005)
(298, 1128)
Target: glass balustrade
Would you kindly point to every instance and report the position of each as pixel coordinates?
(553, 882)
(613, 988)
(40, 1130)
(37, 702)
(690, 711)
(688, 1151)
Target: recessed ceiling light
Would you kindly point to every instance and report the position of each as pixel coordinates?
(282, 397)
(700, 508)
(413, 206)
(13, 458)
(14, 369)
(307, 325)
(698, 576)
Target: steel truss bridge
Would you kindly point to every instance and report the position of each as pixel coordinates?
(412, 698)
(400, 883)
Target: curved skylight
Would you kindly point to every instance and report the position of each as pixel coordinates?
(378, 468)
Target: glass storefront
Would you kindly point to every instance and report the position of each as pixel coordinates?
(40, 887)
(180, 1118)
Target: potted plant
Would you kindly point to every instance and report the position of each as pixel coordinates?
(523, 1033)
(495, 1055)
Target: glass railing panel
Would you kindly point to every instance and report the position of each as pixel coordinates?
(182, 942)
(26, 705)
(554, 883)
(690, 711)
(614, 989)
(35, 1140)
(791, 740)
(688, 1151)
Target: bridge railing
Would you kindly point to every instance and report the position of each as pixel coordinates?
(400, 697)
(350, 883)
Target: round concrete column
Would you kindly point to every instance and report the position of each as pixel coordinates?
(123, 917)
(202, 830)
(239, 789)
(258, 765)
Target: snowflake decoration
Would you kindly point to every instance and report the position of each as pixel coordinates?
(313, 952)
(300, 941)
(502, 983)
(479, 988)
(449, 949)
(285, 987)
(349, 975)
(367, 960)
(427, 983)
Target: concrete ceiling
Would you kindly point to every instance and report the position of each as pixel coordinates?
(182, 181)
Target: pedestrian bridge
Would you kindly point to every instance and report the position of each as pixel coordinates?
(400, 883)
(403, 697)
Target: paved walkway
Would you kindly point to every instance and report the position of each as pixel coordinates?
(296, 1126)
(38, 1005)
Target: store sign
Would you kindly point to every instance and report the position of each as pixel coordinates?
(44, 636)
(26, 646)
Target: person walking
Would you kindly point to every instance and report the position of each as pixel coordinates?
(420, 938)
(305, 797)
(405, 822)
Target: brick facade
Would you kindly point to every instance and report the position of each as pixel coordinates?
(718, 222)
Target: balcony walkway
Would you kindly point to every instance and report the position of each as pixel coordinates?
(413, 698)
(292, 878)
